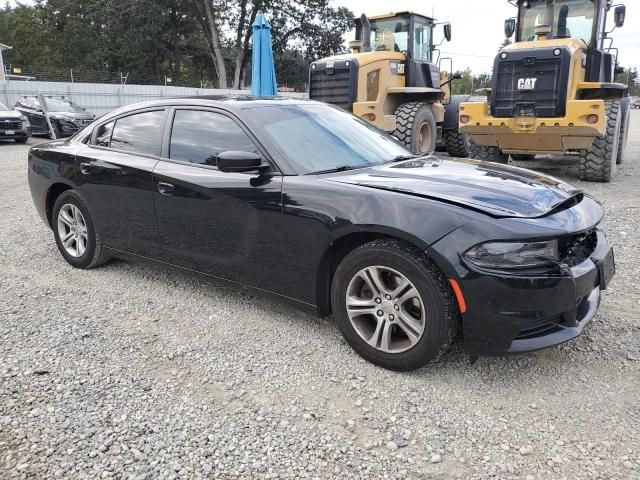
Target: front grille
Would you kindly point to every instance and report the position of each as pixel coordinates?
(578, 248)
(10, 125)
(531, 83)
(334, 83)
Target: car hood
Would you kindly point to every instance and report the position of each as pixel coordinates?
(494, 189)
(9, 114)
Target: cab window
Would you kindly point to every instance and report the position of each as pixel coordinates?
(390, 35)
(422, 42)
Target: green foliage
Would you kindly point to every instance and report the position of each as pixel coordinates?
(470, 83)
(153, 40)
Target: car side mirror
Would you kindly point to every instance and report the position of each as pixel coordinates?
(447, 31)
(509, 27)
(619, 15)
(234, 161)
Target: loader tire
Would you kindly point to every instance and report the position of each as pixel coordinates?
(598, 163)
(457, 144)
(523, 157)
(625, 112)
(416, 127)
(488, 154)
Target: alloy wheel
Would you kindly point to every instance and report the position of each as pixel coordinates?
(385, 309)
(72, 230)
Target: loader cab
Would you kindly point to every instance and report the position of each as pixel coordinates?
(409, 34)
(584, 20)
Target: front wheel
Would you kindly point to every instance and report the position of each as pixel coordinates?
(393, 306)
(75, 234)
(598, 163)
(458, 144)
(416, 127)
(487, 154)
(22, 140)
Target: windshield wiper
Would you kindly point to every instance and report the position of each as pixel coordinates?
(342, 168)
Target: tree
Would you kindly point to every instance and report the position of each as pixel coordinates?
(309, 25)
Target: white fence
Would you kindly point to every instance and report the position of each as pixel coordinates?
(101, 98)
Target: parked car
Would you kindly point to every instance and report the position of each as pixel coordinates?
(13, 125)
(309, 204)
(635, 103)
(66, 117)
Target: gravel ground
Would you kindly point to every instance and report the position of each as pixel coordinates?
(129, 371)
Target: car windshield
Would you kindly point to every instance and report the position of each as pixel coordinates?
(315, 137)
(571, 19)
(3, 107)
(60, 105)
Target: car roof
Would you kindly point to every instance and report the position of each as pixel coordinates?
(233, 103)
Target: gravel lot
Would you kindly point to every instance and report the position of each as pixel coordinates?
(129, 371)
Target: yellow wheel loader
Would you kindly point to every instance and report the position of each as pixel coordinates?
(553, 89)
(391, 80)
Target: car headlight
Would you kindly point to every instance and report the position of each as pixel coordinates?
(25, 120)
(514, 254)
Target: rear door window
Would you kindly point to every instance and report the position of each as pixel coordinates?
(139, 133)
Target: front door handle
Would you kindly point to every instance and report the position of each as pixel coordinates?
(86, 168)
(165, 188)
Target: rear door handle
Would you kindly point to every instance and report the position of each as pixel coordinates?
(165, 188)
(86, 168)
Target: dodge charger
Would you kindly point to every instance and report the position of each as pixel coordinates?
(306, 203)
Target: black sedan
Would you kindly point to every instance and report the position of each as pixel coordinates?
(13, 125)
(311, 205)
(66, 117)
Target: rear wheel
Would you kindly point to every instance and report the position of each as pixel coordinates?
(523, 157)
(416, 127)
(75, 234)
(488, 154)
(625, 112)
(393, 306)
(598, 164)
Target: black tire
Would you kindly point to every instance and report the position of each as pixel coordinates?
(625, 112)
(95, 255)
(598, 164)
(414, 120)
(523, 157)
(457, 144)
(22, 140)
(441, 310)
(487, 154)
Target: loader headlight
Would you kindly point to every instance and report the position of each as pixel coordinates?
(512, 255)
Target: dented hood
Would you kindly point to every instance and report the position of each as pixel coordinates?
(494, 189)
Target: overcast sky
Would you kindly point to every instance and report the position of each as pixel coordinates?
(478, 27)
